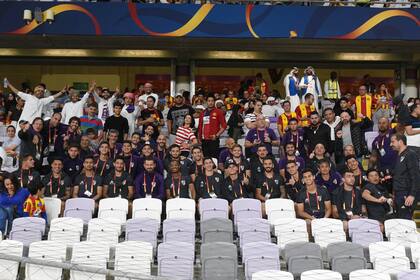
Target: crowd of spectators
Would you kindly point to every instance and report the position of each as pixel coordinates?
(309, 147)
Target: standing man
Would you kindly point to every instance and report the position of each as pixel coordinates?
(316, 133)
(412, 129)
(148, 91)
(151, 116)
(304, 110)
(283, 120)
(105, 102)
(211, 126)
(33, 103)
(331, 91)
(291, 85)
(363, 103)
(381, 146)
(310, 84)
(74, 108)
(117, 122)
(176, 115)
(406, 178)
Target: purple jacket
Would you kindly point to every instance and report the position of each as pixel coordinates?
(153, 186)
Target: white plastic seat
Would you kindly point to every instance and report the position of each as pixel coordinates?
(147, 208)
(52, 207)
(277, 208)
(401, 231)
(114, 208)
(9, 269)
(180, 208)
(415, 254)
(326, 231)
(320, 274)
(90, 254)
(46, 251)
(67, 230)
(290, 230)
(104, 231)
(272, 275)
(134, 257)
(388, 257)
(368, 274)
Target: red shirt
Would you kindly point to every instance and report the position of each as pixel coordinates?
(210, 123)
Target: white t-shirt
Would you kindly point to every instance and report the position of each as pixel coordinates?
(270, 111)
(33, 106)
(74, 109)
(145, 96)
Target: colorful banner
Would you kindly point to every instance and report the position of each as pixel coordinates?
(213, 21)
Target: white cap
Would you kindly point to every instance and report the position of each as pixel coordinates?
(200, 107)
(269, 99)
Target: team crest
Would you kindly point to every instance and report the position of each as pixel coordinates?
(182, 182)
(217, 179)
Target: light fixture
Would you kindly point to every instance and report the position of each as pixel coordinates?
(49, 16)
(27, 16)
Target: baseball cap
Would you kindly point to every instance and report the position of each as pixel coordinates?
(229, 162)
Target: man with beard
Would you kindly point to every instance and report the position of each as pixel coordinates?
(176, 115)
(119, 183)
(317, 132)
(175, 154)
(27, 175)
(87, 184)
(105, 103)
(149, 184)
(178, 185)
(294, 135)
(269, 184)
(406, 178)
(239, 159)
(381, 146)
(290, 156)
(291, 85)
(197, 166)
(293, 180)
(257, 165)
(226, 153)
(349, 132)
(146, 152)
(161, 150)
(51, 134)
(151, 116)
(74, 108)
(32, 141)
(57, 183)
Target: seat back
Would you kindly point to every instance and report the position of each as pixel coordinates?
(98, 224)
(134, 257)
(246, 208)
(216, 230)
(399, 226)
(346, 257)
(180, 208)
(290, 230)
(115, 208)
(370, 137)
(302, 256)
(368, 274)
(278, 208)
(260, 256)
(326, 224)
(52, 207)
(68, 224)
(82, 208)
(90, 254)
(45, 251)
(176, 260)
(147, 208)
(213, 208)
(253, 230)
(181, 230)
(9, 269)
(320, 274)
(272, 274)
(142, 229)
(219, 261)
(409, 275)
(29, 224)
(415, 252)
(385, 249)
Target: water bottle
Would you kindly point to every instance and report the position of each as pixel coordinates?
(5, 83)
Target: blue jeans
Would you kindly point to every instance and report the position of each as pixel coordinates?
(6, 214)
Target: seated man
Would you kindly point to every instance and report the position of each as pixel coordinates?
(347, 202)
(226, 153)
(293, 180)
(149, 184)
(290, 156)
(236, 184)
(327, 177)
(269, 184)
(261, 135)
(210, 183)
(57, 183)
(87, 184)
(119, 183)
(72, 162)
(313, 202)
(242, 163)
(178, 185)
(378, 200)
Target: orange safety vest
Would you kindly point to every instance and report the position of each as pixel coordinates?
(364, 110)
(305, 113)
(284, 120)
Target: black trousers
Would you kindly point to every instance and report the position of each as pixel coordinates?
(211, 148)
(404, 212)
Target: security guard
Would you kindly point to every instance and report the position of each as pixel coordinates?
(406, 178)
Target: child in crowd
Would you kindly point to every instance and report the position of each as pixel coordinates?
(34, 205)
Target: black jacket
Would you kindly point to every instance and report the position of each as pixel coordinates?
(313, 136)
(357, 130)
(406, 175)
